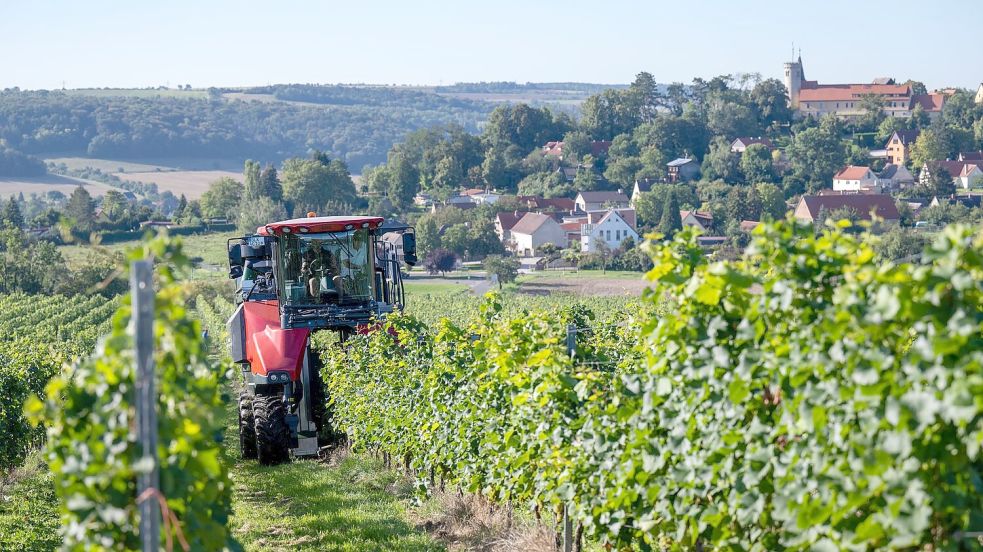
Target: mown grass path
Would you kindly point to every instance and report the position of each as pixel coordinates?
(352, 505)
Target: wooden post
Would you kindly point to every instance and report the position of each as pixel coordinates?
(568, 537)
(142, 296)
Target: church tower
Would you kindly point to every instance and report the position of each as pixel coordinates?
(794, 76)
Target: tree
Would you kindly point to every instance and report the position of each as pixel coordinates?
(440, 261)
(721, 163)
(12, 215)
(81, 209)
(756, 164)
(222, 199)
(494, 169)
(113, 205)
(872, 109)
(576, 144)
(917, 87)
(772, 201)
(505, 268)
(644, 97)
(670, 223)
(932, 144)
(523, 126)
(253, 176)
(269, 184)
(769, 99)
(309, 184)
(456, 239)
(815, 154)
(939, 184)
(427, 237)
(259, 212)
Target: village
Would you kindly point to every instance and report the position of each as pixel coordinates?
(888, 191)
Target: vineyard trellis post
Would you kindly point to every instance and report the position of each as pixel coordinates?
(567, 521)
(142, 293)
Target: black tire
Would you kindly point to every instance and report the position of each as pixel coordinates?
(272, 433)
(247, 429)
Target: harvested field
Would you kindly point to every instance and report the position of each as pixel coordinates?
(43, 184)
(190, 183)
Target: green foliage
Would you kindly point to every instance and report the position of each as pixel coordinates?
(756, 164)
(803, 397)
(37, 335)
(89, 415)
(505, 268)
(815, 154)
(309, 184)
(222, 199)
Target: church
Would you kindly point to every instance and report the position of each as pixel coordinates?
(808, 97)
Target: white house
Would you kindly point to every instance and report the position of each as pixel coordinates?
(856, 179)
(592, 201)
(535, 230)
(641, 186)
(611, 228)
(970, 177)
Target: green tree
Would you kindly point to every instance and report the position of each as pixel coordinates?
(670, 223)
(815, 154)
(114, 205)
(772, 201)
(259, 212)
(872, 112)
(932, 144)
(756, 164)
(505, 268)
(576, 144)
(643, 97)
(222, 199)
(81, 209)
(252, 175)
(12, 215)
(269, 184)
(939, 184)
(494, 171)
(720, 163)
(427, 237)
(769, 99)
(404, 181)
(309, 184)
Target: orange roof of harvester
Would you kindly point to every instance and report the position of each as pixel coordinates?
(314, 225)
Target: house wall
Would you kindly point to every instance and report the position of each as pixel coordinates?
(897, 153)
(855, 185)
(612, 231)
(802, 212)
(527, 244)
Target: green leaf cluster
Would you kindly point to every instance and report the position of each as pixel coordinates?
(92, 447)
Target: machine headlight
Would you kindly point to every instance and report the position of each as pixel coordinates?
(278, 377)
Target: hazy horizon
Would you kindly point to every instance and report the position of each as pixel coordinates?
(236, 44)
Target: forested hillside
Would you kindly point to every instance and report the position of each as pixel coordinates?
(356, 125)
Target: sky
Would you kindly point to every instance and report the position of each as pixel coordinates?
(141, 43)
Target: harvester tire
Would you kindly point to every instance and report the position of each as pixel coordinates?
(272, 433)
(247, 429)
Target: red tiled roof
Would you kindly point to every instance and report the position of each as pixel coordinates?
(852, 172)
(748, 225)
(571, 226)
(558, 203)
(599, 147)
(906, 136)
(882, 204)
(851, 92)
(508, 219)
(929, 102)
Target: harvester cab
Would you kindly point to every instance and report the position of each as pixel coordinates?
(293, 278)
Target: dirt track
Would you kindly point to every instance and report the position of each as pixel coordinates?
(584, 286)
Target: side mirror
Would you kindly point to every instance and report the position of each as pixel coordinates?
(235, 272)
(235, 254)
(409, 249)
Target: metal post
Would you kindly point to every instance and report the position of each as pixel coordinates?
(571, 340)
(567, 522)
(142, 295)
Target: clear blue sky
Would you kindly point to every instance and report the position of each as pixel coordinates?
(226, 43)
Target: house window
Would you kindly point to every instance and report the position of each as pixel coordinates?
(607, 235)
(617, 234)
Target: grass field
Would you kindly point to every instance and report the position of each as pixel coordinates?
(43, 184)
(211, 248)
(136, 93)
(191, 184)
